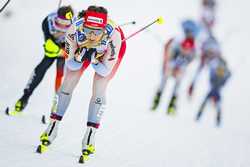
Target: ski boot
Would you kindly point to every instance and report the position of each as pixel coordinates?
(172, 106)
(86, 153)
(48, 136)
(44, 138)
(19, 107)
(156, 101)
(88, 146)
(198, 116)
(218, 120)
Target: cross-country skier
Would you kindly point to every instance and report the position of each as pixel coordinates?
(54, 28)
(178, 54)
(219, 74)
(94, 40)
(210, 49)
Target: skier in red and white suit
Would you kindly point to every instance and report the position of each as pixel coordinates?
(94, 40)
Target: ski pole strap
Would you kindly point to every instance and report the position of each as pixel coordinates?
(59, 4)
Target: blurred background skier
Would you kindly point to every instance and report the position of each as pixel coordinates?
(207, 18)
(219, 73)
(94, 40)
(211, 57)
(178, 53)
(54, 27)
(210, 49)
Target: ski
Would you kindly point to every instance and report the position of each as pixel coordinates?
(11, 113)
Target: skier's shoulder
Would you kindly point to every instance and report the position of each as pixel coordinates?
(48, 19)
(78, 23)
(175, 42)
(110, 27)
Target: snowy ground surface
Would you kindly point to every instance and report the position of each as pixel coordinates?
(131, 135)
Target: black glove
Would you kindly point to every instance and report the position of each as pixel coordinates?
(84, 54)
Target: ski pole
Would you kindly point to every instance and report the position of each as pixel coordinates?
(6, 3)
(159, 20)
(59, 3)
(127, 23)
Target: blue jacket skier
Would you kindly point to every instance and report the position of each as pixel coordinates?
(219, 74)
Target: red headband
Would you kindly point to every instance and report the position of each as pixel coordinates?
(94, 19)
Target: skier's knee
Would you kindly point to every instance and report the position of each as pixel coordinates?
(55, 117)
(93, 124)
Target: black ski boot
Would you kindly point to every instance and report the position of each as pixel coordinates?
(156, 100)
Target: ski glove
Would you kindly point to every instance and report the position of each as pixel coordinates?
(52, 50)
(83, 54)
(100, 51)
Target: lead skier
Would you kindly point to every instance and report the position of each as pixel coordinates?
(95, 40)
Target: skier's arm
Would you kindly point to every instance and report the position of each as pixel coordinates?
(227, 75)
(192, 85)
(166, 55)
(70, 42)
(51, 48)
(108, 60)
(46, 32)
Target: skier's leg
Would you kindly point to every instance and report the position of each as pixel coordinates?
(218, 117)
(172, 104)
(217, 100)
(159, 91)
(65, 93)
(59, 76)
(59, 73)
(201, 109)
(35, 78)
(70, 81)
(97, 107)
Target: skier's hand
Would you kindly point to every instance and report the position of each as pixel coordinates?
(63, 54)
(102, 48)
(100, 51)
(51, 49)
(80, 55)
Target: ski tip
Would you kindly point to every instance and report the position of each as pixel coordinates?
(43, 120)
(41, 149)
(171, 111)
(7, 111)
(81, 160)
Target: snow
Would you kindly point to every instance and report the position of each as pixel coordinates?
(130, 135)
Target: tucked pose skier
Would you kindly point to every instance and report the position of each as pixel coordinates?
(94, 40)
(54, 27)
(178, 54)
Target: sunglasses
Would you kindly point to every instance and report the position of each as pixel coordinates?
(97, 32)
(61, 27)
